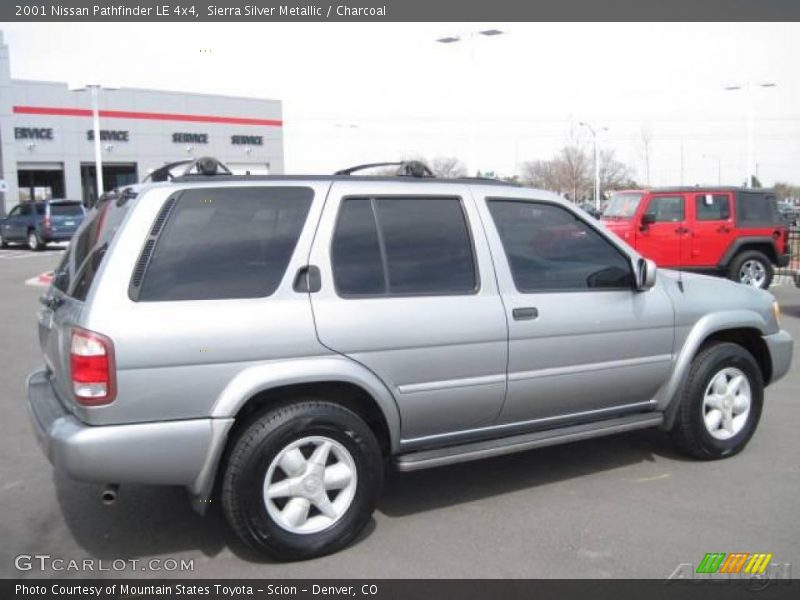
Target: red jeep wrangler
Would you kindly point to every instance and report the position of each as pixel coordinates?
(730, 231)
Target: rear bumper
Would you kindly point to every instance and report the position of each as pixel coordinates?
(780, 346)
(181, 452)
(783, 260)
(56, 236)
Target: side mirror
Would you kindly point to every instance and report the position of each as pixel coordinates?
(646, 271)
(647, 220)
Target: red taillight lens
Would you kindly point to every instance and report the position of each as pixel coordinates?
(92, 365)
(47, 222)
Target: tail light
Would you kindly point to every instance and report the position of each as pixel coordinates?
(47, 221)
(92, 368)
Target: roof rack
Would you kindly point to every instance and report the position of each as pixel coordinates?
(205, 166)
(406, 168)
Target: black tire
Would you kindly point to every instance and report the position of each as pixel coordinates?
(751, 255)
(3, 242)
(35, 241)
(690, 431)
(260, 442)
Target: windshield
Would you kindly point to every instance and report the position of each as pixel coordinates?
(623, 206)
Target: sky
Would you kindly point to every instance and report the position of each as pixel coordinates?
(368, 92)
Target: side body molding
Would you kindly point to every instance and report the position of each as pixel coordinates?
(667, 398)
(269, 375)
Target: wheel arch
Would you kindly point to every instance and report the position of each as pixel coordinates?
(745, 328)
(334, 378)
(764, 244)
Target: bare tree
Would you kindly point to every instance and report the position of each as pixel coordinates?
(448, 167)
(567, 173)
(614, 174)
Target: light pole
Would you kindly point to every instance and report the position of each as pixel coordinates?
(750, 87)
(94, 89)
(470, 38)
(719, 166)
(596, 162)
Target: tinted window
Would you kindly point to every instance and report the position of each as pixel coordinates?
(226, 243)
(549, 249)
(86, 253)
(356, 252)
(666, 208)
(756, 209)
(403, 246)
(712, 207)
(66, 210)
(26, 209)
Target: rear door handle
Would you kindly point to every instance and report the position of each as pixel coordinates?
(682, 230)
(525, 314)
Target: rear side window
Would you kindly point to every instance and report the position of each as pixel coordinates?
(755, 209)
(712, 207)
(225, 243)
(403, 246)
(667, 209)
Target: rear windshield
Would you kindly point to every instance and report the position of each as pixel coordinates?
(75, 274)
(66, 209)
(622, 206)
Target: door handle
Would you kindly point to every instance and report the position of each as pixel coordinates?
(307, 280)
(723, 229)
(682, 230)
(526, 313)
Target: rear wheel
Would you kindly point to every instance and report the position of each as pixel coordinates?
(35, 242)
(302, 480)
(752, 268)
(3, 242)
(721, 402)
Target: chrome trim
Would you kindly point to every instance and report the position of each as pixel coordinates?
(447, 384)
(569, 370)
(621, 407)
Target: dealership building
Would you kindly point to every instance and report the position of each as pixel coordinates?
(47, 141)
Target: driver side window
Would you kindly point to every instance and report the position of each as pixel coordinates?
(550, 249)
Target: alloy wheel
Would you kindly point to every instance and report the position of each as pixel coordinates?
(726, 403)
(310, 484)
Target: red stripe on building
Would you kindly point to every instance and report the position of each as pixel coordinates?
(129, 114)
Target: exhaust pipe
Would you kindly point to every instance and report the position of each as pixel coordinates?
(109, 495)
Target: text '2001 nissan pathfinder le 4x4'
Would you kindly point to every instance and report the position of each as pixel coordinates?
(274, 341)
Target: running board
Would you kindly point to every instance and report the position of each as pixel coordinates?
(426, 459)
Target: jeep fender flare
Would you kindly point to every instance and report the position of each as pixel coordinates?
(740, 244)
(668, 396)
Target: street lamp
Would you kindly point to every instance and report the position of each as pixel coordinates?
(95, 88)
(470, 37)
(719, 166)
(750, 87)
(596, 162)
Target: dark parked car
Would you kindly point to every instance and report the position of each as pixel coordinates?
(38, 223)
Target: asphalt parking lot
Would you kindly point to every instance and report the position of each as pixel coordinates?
(624, 506)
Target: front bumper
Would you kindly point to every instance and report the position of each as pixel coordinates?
(183, 452)
(780, 346)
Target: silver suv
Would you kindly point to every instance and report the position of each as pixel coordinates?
(274, 342)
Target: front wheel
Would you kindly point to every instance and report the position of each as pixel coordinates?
(752, 268)
(302, 480)
(721, 402)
